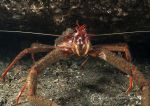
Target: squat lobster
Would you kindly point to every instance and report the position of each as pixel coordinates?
(77, 42)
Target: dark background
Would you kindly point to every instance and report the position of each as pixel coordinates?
(12, 43)
(54, 16)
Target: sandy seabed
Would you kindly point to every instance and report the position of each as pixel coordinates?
(65, 82)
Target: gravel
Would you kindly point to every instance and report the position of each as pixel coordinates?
(65, 82)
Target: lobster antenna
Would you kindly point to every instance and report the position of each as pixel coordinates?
(45, 34)
(119, 33)
(34, 33)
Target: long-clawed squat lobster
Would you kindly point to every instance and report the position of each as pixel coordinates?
(77, 42)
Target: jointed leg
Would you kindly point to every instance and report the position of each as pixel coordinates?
(23, 53)
(20, 93)
(38, 45)
(31, 88)
(121, 47)
(127, 68)
(31, 84)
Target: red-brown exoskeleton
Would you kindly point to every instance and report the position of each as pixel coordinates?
(77, 42)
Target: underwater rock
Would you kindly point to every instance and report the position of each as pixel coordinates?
(56, 15)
